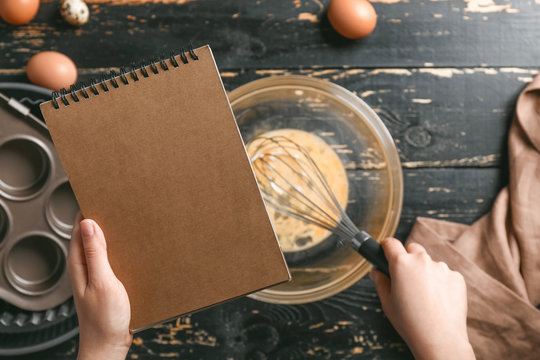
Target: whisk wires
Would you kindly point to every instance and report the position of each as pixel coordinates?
(293, 184)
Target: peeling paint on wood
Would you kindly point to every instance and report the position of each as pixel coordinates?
(421, 101)
(391, 71)
(388, 1)
(477, 161)
(441, 72)
(309, 17)
(488, 6)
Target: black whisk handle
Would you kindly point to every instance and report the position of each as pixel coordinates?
(371, 250)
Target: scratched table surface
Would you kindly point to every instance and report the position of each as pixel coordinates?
(443, 75)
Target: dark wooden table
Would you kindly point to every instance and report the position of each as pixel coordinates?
(442, 74)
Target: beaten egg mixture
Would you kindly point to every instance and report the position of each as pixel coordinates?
(294, 234)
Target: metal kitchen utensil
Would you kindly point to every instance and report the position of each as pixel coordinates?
(292, 183)
(37, 209)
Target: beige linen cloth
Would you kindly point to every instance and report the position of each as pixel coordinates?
(499, 255)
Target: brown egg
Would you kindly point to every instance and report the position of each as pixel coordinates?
(18, 12)
(52, 70)
(353, 19)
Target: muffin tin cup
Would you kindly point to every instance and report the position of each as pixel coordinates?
(26, 167)
(59, 209)
(37, 209)
(34, 264)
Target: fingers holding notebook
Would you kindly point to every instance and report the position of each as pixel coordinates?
(100, 298)
(76, 260)
(95, 251)
(87, 262)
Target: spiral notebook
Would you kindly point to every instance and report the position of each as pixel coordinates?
(154, 155)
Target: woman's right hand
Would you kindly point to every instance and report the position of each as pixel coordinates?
(425, 301)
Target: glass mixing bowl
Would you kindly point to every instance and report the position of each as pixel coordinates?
(368, 154)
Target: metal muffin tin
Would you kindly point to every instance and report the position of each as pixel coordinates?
(37, 209)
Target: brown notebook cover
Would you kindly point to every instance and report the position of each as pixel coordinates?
(159, 163)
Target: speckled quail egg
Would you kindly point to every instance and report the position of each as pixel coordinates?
(75, 12)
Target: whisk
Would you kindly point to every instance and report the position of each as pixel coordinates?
(292, 183)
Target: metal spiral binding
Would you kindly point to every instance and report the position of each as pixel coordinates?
(112, 77)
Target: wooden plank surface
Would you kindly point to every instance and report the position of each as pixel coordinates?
(438, 117)
(467, 107)
(282, 34)
(443, 76)
(349, 325)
